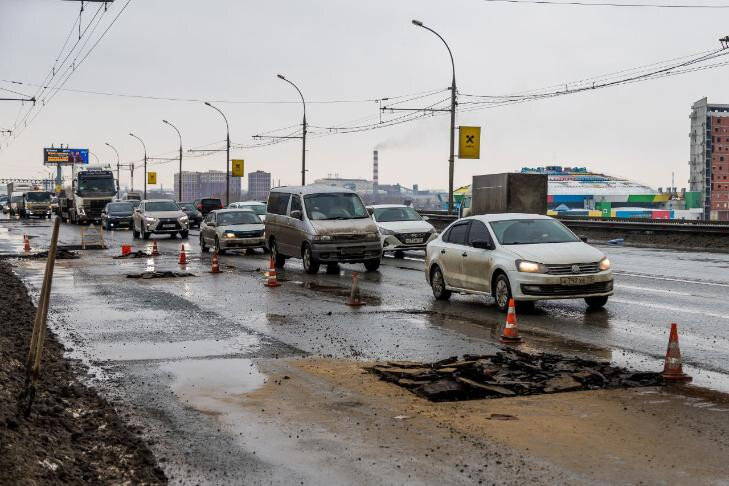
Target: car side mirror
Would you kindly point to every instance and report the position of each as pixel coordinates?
(296, 214)
(482, 244)
(583, 238)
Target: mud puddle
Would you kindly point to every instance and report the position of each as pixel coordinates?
(136, 351)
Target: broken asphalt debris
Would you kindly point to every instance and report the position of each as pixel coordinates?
(160, 274)
(507, 374)
(136, 254)
(61, 254)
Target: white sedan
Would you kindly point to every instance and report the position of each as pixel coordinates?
(226, 229)
(257, 207)
(528, 257)
(401, 227)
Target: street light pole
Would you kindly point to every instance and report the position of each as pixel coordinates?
(118, 166)
(303, 131)
(145, 164)
(453, 116)
(179, 182)
(227, 154)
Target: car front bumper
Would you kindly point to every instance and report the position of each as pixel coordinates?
(534, 286)
(392, 243)
(161, 227)
(230, 243)
(115, 221)
(346, 252)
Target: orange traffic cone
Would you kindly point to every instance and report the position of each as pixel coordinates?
(155, 251)
(673, 370)
(510, 334)
(26, 243)
(126, 249)
(354, 298)
(215, 268)
(271, 277)
(183, 256)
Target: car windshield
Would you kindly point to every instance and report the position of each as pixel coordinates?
(161, 206)
(259, 209)
(121, 208)
(135, 202)
(388, 215)
(334, 206)
(38, 196)
(532, 231)
(187, 206)
(238, 217)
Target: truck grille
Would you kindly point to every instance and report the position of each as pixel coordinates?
(568, 270)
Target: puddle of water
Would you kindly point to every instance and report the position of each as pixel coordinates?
(131, 351)
(213, 386)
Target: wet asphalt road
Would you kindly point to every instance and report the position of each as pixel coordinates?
(150, 343)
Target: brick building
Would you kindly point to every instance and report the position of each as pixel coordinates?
(709, 163)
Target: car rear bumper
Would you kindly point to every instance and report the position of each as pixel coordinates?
(355, 252)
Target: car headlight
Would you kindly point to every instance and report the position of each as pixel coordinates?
(150, 219)
(386, 231)
(604, 264)
(183, 218)
(530, 267)
(229, 235)
(323, 237)
(373, 236)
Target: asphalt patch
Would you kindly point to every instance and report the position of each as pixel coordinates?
(61, 254)
(508, 373)
(72, 435)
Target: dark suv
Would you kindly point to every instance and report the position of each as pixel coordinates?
(193, 214)
(117, 214)
(208, 204)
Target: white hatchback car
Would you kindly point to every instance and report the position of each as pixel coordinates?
(401, 227)
(528, 257)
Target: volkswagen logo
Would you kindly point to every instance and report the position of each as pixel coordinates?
(575, 268)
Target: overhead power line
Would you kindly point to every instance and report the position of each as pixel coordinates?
(611, 4)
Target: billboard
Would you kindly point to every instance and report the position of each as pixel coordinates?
(65, 156)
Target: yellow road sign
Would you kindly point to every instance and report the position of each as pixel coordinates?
(151, 178)
(469, 142)
(238, 169)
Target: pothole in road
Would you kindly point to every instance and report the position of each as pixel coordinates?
(369, 299)
(508, 373)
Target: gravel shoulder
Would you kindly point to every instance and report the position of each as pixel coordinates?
(72, 435)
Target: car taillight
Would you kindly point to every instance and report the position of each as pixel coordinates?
(221, 206)
(199, 207)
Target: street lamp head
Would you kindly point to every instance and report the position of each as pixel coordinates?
(417, 22)
(131, 134)
(280, 76)
(107, 143)
(165, 121)
(207, 103)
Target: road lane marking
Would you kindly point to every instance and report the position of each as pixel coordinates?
(671, 279)
(670, 308)
(662, 291)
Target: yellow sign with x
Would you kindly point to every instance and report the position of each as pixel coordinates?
(238, 167)
(469, 142)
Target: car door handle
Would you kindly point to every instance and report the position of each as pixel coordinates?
(442, 252)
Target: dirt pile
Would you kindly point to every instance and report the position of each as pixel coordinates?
(508, 373)
(72, 435)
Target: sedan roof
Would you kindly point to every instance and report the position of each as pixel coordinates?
(233, 210)
(506, 216)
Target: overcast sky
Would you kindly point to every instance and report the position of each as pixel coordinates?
(347, 50)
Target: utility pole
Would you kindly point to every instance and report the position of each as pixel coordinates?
(145, 165)
(227, 154)
(453, 116)
(118, 167)
(180, 177)
(303, 131)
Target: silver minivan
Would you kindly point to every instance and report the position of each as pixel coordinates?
(321, 224)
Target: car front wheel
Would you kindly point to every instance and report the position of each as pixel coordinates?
(502, 292)
(437, 283)
(372, 265)
(596, 302)
(311, 265)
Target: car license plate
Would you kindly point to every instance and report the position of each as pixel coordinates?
(411, 241)
(168, 226)
(575, 281)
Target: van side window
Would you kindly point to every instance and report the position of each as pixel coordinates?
(295, 203)
(278, 202)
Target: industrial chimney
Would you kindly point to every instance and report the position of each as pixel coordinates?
(375, 177)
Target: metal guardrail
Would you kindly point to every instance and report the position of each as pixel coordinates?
(624, 224)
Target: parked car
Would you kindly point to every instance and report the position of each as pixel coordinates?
(159, 216)
(117, 214)
(194, 216)
(401, 228)
(258, 207)
(226, 229)
(321, 224)
(208, 204)
(525, 256)
(5, 203)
